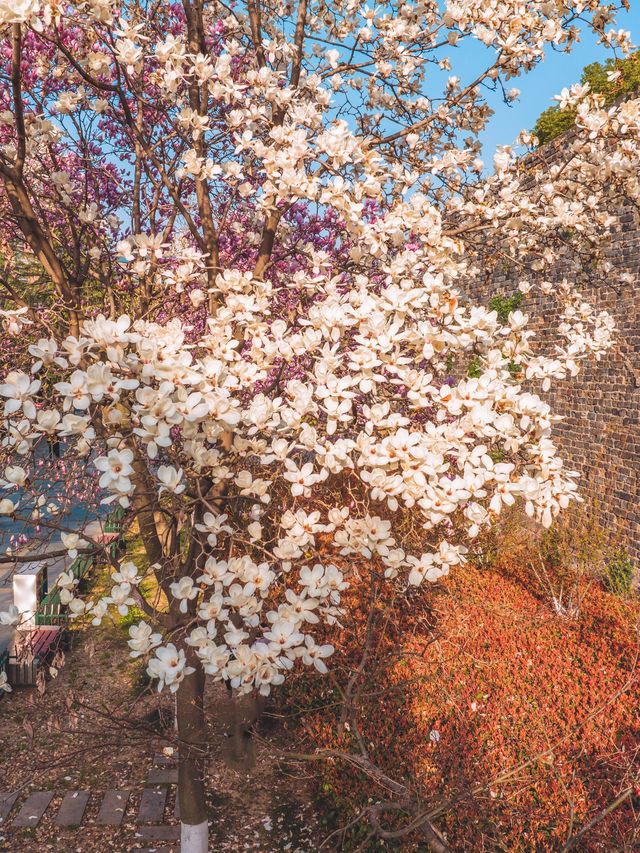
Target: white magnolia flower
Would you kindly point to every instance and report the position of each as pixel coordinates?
(15, 475)
(255, 531)
(72, 425)
(214, 658)
(127, 573)
(142, 639)
(66, 583)
(197, 297)
(120, 595)
(14, 321)
(117, 469)
(301, 479)
(200, 637)
(73, 541)
(213, 610)
(284, 635)
(75, 391)
(18, 11)
(99, 610)
(19, 388)
(184, 590)
(214, 525)
(169, 666)
(7, 507)
(77, 607)
(424, 568)
(46, 353)
(47, 421)
(235, 636)
(106, 332)
(312, 654)
(171, 479)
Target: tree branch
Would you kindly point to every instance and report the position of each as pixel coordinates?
(16, 86)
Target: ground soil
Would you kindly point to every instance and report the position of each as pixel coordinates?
(77, 734)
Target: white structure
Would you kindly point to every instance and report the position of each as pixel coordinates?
(29, 588)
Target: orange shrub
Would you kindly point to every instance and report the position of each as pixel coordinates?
(469, 680)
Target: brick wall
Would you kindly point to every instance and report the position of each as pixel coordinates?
(600, 436)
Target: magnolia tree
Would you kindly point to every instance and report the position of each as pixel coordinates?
(236, 242)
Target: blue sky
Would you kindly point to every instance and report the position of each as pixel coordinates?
(540, 85)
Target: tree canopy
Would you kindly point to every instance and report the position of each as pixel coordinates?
(612, 79)
(254, 227)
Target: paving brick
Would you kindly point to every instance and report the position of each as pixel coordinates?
(158, 833)
(164, 760)
(113, 807)
(7, 799)
(163, 776)
(152, 805)
(72, 808)
(175, 848)
(33, 808)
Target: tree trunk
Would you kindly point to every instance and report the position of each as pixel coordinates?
(191, 766)
(238, 714)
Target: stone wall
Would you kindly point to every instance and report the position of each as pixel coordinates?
(600, 435)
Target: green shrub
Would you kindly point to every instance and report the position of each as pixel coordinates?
(553, 121)
(618, 577)
(504, 305)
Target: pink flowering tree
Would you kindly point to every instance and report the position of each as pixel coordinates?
(236, 242)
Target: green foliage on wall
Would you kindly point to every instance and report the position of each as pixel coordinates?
(504, 305)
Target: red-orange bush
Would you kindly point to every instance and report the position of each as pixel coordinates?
(468, 681)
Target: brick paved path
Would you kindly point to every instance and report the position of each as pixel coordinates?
(151, 818)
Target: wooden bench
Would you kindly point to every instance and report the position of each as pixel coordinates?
(30, 653)
(44, 641)
(52, 614)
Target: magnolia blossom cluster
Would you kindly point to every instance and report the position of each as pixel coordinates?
(264, 134)
(277, 366)
(374, 402)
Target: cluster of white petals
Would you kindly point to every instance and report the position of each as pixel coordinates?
(321, 401)
(374, 370)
